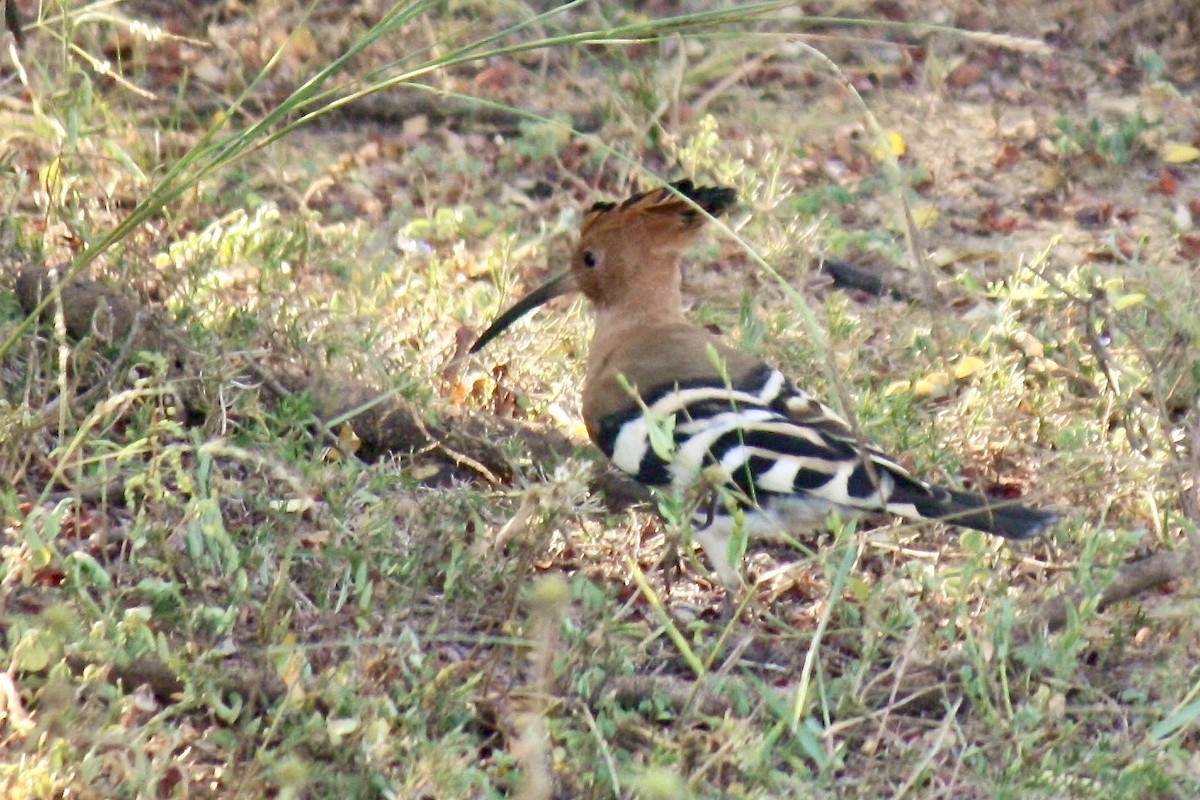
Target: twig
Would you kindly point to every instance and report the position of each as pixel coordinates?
(1132, 579)
(720, 87)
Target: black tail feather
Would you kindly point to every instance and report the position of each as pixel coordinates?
(990, 515)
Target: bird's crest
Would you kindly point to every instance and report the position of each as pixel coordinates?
(639, 237)
(664, 205)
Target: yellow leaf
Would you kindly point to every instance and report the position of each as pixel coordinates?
(1051, 178)
(348, 439)
(293, 505)
(931, 386)
(1179, 153)
(968, 366)
(924, 215)
(32, 654)
(895, 143)
(1128, 301)
(1028, 344)
(944, 257)
(422, 472)
(897, 387)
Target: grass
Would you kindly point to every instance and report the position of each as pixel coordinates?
(220, 603)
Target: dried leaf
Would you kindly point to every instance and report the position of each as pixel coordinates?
(423, 472)
(995, 219)
(1095, 216)
(924, 215)
(932, 386)
(1128, 301)
(895, 143)
(339, 729)
(1167, 182)
(1028, 344)
(1006, 156)
(966, 73)
(1179, 152)
(1189, 245)
(349, 440)
(968, 366)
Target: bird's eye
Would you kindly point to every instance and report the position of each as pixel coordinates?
(589, 259)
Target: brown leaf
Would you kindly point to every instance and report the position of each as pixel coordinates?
(996, 220)
(965, 74)
(1044, 206)
(1006, 156)
(314, 540)
(1168, 184)
(1189, 245)
(1095, 216)
(500, 74)
(48, 576)
(891, 10)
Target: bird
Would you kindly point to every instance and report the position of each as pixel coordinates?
(674, 407)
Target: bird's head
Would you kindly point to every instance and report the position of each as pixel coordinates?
(627, 252)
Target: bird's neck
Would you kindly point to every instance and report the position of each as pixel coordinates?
(617, 322)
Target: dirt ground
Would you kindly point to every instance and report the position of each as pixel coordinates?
(224, 577)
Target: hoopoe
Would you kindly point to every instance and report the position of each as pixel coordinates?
(785, 460)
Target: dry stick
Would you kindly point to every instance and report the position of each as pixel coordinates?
(851, 276)
(394, 425)
(703, 695)
(931, 753)
(461, 459)
(144, 671)
(1191, 500)
(1184, 473)
(1132, 579)
(701, 103)
(389, 108)
(910, 645)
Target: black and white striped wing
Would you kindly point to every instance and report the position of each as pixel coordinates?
(789, 455)
(763, 435)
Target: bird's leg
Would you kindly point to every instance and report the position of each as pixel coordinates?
(714, 540)
(716, 528)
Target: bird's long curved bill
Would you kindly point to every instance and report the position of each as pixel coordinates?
(562, 283)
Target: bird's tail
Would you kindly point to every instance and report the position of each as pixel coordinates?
(994, 516)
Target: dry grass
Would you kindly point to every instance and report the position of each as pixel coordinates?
(218, 604)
